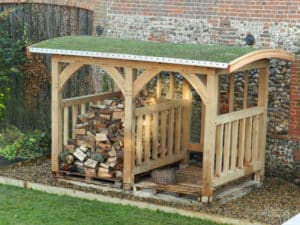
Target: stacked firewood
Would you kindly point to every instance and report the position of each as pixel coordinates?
(96, 149)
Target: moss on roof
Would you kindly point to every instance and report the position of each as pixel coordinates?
(213, 53)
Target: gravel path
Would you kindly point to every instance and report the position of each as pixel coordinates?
(274, 203)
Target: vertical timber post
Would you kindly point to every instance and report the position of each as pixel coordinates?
(209, 137)
(187, 117)
(263, 91)
(129, 129)
(56, 115)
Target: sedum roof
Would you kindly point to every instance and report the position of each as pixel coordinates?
(189, 54)
(223, 57)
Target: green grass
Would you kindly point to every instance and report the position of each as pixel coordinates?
(21, 207)
(147, 48)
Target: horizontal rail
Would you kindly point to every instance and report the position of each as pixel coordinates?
(158, 163)
(159, 107)
(194, 147)
(241, 114)
(233, 175)
(89, 98)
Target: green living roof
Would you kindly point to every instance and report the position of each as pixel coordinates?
(137, 50)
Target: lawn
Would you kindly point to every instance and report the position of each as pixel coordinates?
(21, 206)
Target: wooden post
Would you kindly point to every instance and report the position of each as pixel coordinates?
(209, 137)
(129, 129)
(263, 91)
(56, 115)
(187, 117)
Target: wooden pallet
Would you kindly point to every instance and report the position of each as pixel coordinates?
(189, 175)
(114, 182)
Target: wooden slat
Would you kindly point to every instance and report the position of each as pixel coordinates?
(158, 87)
(248, 141)
(66, 124)
(224, 118)
(255, 138)
(90, 98)
(219, 149)
(246, 90)
(83, 108)
(231, 92)
(172, 86)
(178, 135)
(241, 149)
(56, 115)
(147, 138)
(171, 132)
(163, 133)
(155, 133)
(74, 118)
(129, 128)
(233, 147)
(159, 107)
(139, 140)
(227, 145)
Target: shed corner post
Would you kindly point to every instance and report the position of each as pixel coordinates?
(211, 110)
(56, 115)
(129, 129)
(263, 91)
(187, 118)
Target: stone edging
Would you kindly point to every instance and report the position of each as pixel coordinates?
(102, 198)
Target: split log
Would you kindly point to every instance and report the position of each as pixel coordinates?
(79, 155)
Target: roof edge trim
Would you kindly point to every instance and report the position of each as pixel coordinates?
(189, 62)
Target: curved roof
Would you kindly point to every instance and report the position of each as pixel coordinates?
(221, 57)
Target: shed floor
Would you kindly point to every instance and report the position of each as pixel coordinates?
(188, 182)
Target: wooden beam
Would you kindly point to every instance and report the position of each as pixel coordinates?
(66, 125)
(259, 55)
(224, 118)
(198, 85)
(143, 79)
(194, 147)
(187, 118)
(67, 73)
(209, 138)
(90, 98)
(136, 64)
(116, 76)
(150, 109)
(56, 115)
(129, 128)
(263, 91)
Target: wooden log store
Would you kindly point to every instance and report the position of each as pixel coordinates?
(232, 144)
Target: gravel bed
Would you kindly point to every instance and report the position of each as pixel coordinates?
(275, 202)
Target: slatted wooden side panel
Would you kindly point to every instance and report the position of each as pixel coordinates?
(159, 136)
(237, 143)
